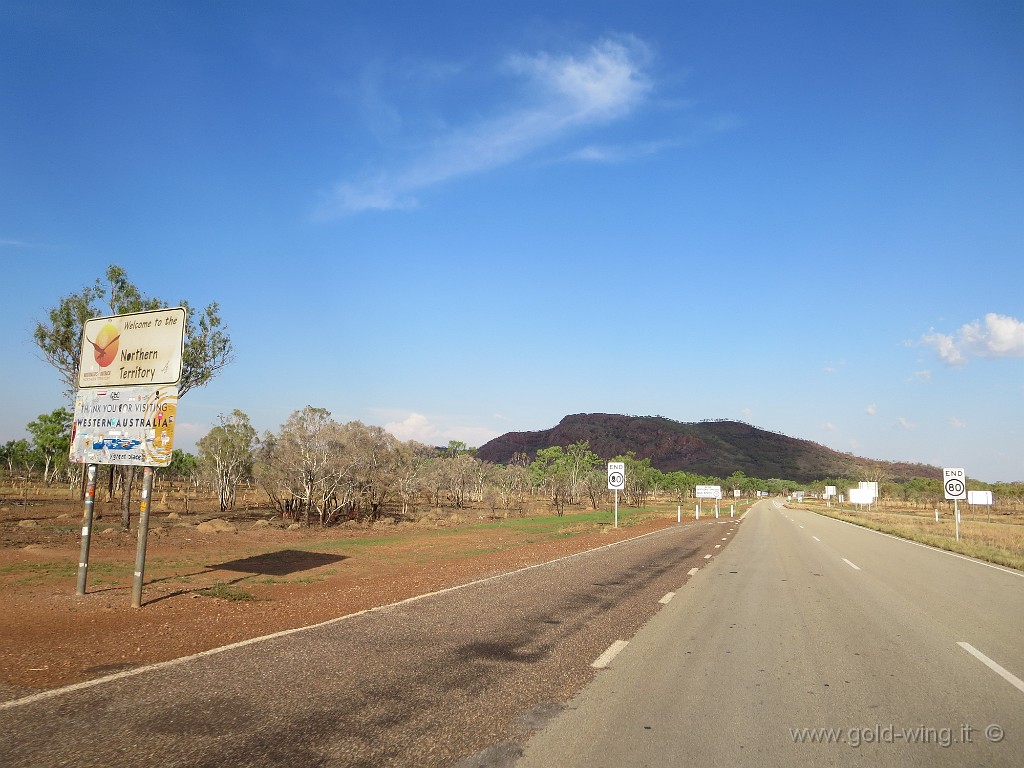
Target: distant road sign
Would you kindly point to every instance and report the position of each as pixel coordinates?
(708, 492)
(616, 475)
(954, 483)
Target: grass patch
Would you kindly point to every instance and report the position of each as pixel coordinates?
(996, 543)
(230, 592)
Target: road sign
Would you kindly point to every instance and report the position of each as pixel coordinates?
(138, 349)
(708, 492)
(129, 426)
(616, 475)
(954, 483)
(979, 498)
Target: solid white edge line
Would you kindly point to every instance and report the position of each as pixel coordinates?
(855, 567)
(957, 555)
(42, 695)
(1009, 677)
(606, 658)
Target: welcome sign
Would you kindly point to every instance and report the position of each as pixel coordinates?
(143, 348)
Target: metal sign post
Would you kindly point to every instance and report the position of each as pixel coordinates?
(140, 550)
(90, 501)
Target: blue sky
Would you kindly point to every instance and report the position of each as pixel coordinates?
(458, 219)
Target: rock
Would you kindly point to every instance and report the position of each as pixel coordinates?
(173, 516)
(217, 525)
(27, 523)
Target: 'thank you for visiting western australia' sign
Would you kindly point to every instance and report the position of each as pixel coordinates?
(142, 348)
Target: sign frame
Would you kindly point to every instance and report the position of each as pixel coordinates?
(954, 483)
(135, 349)
(616, 475)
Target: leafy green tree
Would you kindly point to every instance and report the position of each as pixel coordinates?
(207, 350)
(51, 436)
(16, 454)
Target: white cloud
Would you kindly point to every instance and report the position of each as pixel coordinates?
(996, 336)
(566, 93)
(904, 423)
(416, 426)
(828, 426)
(871, 410)
(955, 423)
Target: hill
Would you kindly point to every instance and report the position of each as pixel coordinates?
(712, 448)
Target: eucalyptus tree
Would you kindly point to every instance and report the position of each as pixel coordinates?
(227, 453)
(51, 437)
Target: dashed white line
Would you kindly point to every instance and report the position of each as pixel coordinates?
(606, 658)
(692, 571)
(815, 538)
(1009, 677)
(718, 546)
(855, 567)
(667, 598)
(707, 557)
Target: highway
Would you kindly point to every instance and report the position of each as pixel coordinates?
(809, 641)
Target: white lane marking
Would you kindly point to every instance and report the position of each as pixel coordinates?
(724, 538)
(815, 538)
(606, 658)
(855, 567)
(1009, 677)
(43, 695)
(707, 557)
(957, 555)
(667, 598)
(692, 571)
(718, 546)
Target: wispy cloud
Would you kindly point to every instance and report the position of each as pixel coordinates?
(995, 336)
(566, 93)
(904, 423)
(871, 410)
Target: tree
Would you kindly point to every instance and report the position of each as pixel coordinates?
(51, 435)
(207, 347)
(227, 453)
(16, 453)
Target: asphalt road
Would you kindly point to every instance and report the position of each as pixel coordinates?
(461, 676)
(812, 642)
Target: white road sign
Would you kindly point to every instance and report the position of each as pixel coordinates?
(709, 492)
(138, 349)
(616, 475)
(954, 483)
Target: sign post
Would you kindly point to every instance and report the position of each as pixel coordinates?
(125, 409)
(954, 485)
(616, 480)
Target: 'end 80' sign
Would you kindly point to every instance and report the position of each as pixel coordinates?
(954, 483)
(616, 475)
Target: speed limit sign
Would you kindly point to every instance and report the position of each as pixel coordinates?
(616, 475)
(954, 483)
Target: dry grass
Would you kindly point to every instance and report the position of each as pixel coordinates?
(996, 538)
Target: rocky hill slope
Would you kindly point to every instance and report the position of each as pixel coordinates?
(713, 448)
